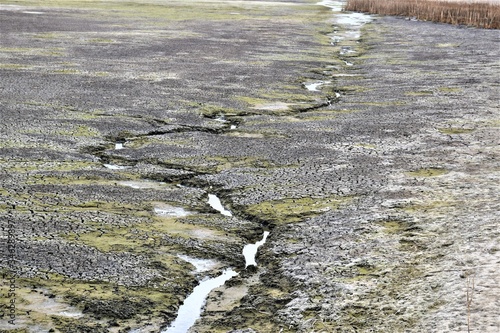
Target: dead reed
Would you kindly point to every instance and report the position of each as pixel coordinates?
(472, 13)
(469, 294)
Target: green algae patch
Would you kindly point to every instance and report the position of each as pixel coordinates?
(47, 35)
(367, 271)
(419, 93)
(449, 89)
(213, 111)
(114, 240)
(354, 89)
(96, 300)
(291, 100)
(272, 105)
(291, 210)
(15, 66)
(21, 144)
(20, 51)
(80, 131)
(394, 226)
(455, 130)
(432, 206)
(40, 308)
(175, 227)
(26, 165)
(67, 71)
(428, 172)
(141, 237)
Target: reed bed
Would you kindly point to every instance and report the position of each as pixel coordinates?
(480, 14)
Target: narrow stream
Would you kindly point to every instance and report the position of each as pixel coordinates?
(191, 309)
(351, 22)
(193, 305)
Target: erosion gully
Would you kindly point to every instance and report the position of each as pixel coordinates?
(192, 307)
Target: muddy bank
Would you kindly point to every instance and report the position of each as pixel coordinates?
(378, 185)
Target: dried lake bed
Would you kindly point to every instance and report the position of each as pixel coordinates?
(145, 144)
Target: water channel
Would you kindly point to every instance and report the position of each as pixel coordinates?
(190, 310)
(192, 307)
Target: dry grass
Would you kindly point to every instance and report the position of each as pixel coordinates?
(470, 293)
(482, 14)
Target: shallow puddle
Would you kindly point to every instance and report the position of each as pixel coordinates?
(141, 184)
(314, 86)
(250, 251)
(351, 23)
(273, 106)
(215, 203)
(221, 119)
(351, 18)
(200, 265)
(115, 167)
(170, 211)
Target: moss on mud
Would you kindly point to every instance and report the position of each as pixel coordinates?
(394, 226)
(290, 210)
(228, 162)
(455, 130)
(428, 172)
(98, 305)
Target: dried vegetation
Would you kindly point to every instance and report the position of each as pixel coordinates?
(472, 13)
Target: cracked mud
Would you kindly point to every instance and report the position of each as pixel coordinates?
(379, 187)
